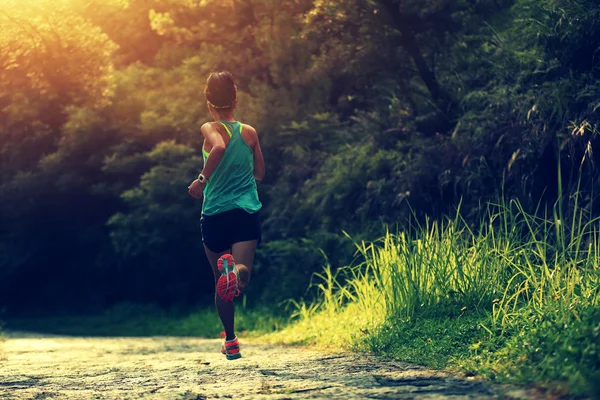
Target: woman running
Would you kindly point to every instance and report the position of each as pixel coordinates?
(233, 162)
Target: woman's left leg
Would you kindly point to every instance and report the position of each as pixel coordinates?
(225, 309)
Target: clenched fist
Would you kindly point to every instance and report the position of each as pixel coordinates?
(196, 189)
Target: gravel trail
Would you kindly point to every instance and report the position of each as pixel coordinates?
(45, 367)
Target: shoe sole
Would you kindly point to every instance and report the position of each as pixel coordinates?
(227, 285)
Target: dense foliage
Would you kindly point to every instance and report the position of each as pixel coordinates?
(368, 111)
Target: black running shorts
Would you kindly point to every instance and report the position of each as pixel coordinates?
(221, 230)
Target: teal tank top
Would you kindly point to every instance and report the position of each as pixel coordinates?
(232, 184)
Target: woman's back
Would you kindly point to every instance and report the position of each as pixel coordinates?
(232, 184)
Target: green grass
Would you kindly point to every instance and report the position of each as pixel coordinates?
(436, 342)
(516, 300)
(147, 320)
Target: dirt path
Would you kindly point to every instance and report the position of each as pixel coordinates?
(34, 367)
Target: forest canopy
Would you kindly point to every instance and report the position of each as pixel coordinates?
(369, 112)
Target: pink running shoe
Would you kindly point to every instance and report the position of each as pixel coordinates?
(231, 348)
(227, 285)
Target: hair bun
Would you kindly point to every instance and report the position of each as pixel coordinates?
(220, 90)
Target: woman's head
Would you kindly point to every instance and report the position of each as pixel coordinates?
(221, 92)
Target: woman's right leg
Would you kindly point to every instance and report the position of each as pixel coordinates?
(243, 254)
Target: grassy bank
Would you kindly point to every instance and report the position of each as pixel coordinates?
(516, 300)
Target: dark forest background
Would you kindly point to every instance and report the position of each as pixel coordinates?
(369, 112)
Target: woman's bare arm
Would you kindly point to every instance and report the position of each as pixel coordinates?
(217, 149)
(259, 161)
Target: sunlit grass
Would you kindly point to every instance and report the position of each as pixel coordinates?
(520, 293)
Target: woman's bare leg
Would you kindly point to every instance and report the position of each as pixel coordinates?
(225, 309)
(243, 254)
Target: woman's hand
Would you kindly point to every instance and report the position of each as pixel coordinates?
(196, 189)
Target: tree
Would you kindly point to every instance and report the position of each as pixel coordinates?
(51, 59)
(404, 41)
(127, 24)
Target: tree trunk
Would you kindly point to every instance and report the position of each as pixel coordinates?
(409, 42)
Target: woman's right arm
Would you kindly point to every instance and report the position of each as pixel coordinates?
(259, 161)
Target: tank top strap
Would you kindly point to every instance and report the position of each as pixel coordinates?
(229, 128)
(226, 128)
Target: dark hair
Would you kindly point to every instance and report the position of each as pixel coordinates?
(220, 90)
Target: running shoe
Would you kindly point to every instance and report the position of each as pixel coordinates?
(231, 348)
(227, 285)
